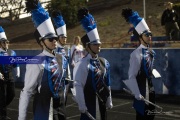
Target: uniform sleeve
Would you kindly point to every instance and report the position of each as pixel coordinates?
(80, 73)
(72, 50)
(16, 66)
(72, 54)
(109, 103)
(163, 18)
(68, 73)
(135, 64)
(32, 76)
(176, 16)
(107, 65)
(17, 71)
(68, 76)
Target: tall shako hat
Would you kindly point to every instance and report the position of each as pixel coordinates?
(41, 20)
(89, 25)
(59, 23)
(2, 34)
(132, 17)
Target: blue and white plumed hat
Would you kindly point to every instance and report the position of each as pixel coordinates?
(132, 17)
(41, 20)
(89, 25)
(59, 23)
(2, 34)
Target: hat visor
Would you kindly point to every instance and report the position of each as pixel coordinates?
(51, 35)
(3, 39)
(62, 35)
(95, 42)
(147, 33)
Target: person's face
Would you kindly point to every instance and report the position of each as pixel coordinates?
(169, 6)
(147, 37)
(95, 48)
(5, 45)
(50, 43)
(77, 41)
(62, 40)
(131, 25)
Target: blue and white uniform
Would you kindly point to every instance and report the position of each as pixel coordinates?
(4, 68)
(90, 75)
(140, 76)
(7, 86)
(44, 81)
(60, 49)
(66, 53)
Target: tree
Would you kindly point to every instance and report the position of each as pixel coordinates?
(68, 8)
(11, 8)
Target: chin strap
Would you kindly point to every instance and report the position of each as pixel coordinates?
(145, 43)
(3, 47)
(61, 43)
(91, 49)
(47, 47)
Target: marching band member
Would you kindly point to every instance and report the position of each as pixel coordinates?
(44, 81)
(140, 69)
(92, 73)
(61, 44)
(7, 86)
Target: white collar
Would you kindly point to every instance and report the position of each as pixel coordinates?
(59, 45)
(46, 53)
(90, 56)
(142, 46)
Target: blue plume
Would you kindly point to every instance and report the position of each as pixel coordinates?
(58, 19)
(39, 15)
(88, 23)
(1, 29)
(134, 18)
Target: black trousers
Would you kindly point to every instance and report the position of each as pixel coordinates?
(103, 112)
(7, 93)
(148, 113)
(59, 110)
(170, 26)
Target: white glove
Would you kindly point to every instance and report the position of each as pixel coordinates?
(109, 104)
(1, 76)
(82, 108)
(139, 97)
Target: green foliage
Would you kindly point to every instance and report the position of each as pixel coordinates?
(68, 8)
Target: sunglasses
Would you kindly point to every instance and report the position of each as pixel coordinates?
(148, 34)
(7, 42)
(52, 39)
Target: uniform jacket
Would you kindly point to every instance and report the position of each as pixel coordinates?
(8, 70)
(140, 75)
(85, 85)
(38, 82)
